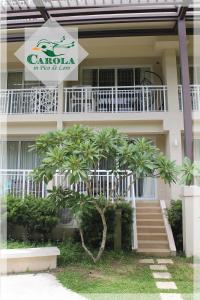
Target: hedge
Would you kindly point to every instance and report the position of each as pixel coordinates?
(92, 226)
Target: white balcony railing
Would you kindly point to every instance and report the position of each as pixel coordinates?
(20, 183)
(195, 97)
(29, 101)
(115, 99)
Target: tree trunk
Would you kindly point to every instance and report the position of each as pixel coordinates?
(104, 236)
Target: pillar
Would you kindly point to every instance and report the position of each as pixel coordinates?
(170, 72)
(173, 121)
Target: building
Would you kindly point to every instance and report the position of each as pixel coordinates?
(131, 80)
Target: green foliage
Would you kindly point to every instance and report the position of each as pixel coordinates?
(37, 215)
(78, 149)
(92, 226)
(71, 252)
(188, 171)
(174, 213)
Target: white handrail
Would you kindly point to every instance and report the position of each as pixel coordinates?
(195, 96)
(170, 236)
(20, 182)
(42, 100)
(115, 99)
(134, 226)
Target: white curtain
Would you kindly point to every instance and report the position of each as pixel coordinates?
(28, 159)
(197, 149)
(19, 155)
(13, 155)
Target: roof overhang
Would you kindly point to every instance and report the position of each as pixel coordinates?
(20, 14)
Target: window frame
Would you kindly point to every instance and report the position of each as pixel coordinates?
(115, 68)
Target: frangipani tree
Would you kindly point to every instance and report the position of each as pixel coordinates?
(76, 151)
(188, 171)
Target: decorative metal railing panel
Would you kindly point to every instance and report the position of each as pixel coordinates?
(29, 101)
(195, 97)
(115, 99)
(20, 183)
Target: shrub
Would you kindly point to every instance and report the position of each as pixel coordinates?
(92, 226)
(175, 219)
(37, 215)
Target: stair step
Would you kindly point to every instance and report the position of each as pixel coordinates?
(156, 252)
(153, 244)
(147, 209)
(151, 229)
(147, 204)
(152, 236)
(152, 216)
(150, 222)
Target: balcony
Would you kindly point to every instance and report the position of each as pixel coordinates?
(84, 100)
(20, 183)
(195, 96)
(115, 99)
(29, 101)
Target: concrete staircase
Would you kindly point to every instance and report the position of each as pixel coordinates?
(151, 232)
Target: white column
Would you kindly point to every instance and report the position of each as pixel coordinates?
(170, 73)
(191, 221)
(173, 122)
(174, 152)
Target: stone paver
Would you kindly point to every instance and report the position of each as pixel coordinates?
(146, 261)
(166, 285)
(170, 297)
(162, 275)
(158, 267)
(164, 261)
(41, 286)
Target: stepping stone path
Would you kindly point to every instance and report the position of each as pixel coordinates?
(165, 261)
(171, 297)
(162, 275)
(146, 261)
(158, 267)
(159, 272)
(166, 285)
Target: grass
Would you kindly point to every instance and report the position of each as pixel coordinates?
(119, 273)
(116, 272)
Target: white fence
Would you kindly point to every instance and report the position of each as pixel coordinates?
(195, 97)
(115, 99)
(20, 183)
(29, 101)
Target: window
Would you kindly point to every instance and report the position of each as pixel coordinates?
(15, 80)
(20, 157)
(194, 73)
(116, 76)
(125, 77)
(90, 77)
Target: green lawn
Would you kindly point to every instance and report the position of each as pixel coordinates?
(115, 273)
(122, 273)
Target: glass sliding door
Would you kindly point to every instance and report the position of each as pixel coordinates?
(28, 159)
(106, 77)
(13, 155)
(90, 77)
(125, 77)
(20, 157)
(15, 80)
